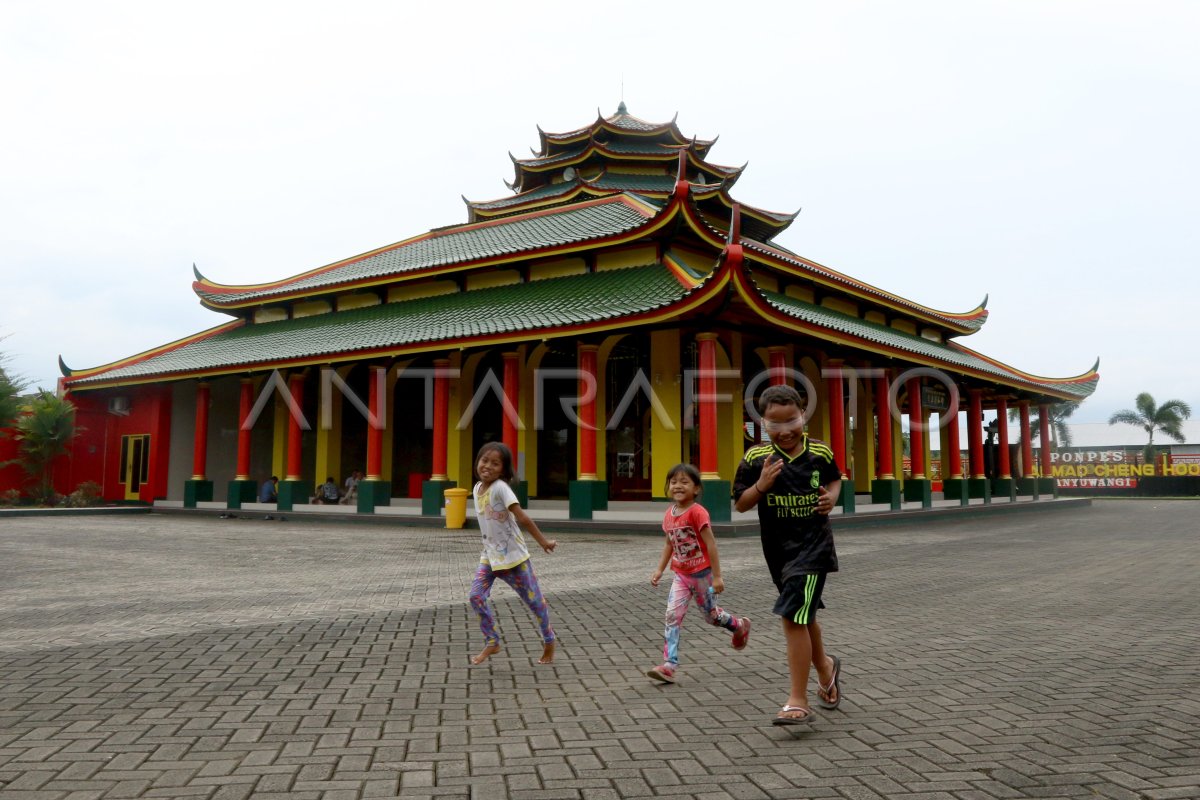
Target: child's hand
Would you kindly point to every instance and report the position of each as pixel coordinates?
(718, 584)
(824, 500)
(655, 577)
(770, 471)
(549, 544)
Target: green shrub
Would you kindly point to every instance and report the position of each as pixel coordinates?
(10, 498)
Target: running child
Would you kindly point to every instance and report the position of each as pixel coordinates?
(505, 555)
(691, 550)
(795, 483)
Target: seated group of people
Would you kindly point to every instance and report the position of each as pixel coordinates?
(328, 493)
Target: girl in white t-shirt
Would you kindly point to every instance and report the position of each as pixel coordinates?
(505, 555)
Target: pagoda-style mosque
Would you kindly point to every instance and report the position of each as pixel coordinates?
(607, 320)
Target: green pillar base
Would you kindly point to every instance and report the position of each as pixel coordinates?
(980, 488)
(846, 498)
(241, 492)
(886, 490)
(521, 490)
(197, 492)
(919, 490)
(715, 498)
(1048, 486)
(293, 493)
(956, 489)
(586, 497)
(373, 494)
(1027, 487)
(1004, 487)
(432, 498)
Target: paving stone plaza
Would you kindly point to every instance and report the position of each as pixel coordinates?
(1050, 654)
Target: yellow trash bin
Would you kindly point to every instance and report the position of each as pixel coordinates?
(456, 507)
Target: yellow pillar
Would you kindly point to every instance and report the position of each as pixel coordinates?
(863, 445)
(666, 434)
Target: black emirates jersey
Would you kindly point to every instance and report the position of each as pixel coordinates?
(795, 539)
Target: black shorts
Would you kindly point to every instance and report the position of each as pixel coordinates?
(800, 598)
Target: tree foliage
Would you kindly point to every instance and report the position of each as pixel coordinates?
(1151, 417)
(43, 432)
(1060, 430)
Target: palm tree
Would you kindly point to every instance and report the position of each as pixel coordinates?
(11, 387)
(1060, 431)
(1167, 418)
(43, 432)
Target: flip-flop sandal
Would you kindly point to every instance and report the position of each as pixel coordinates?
(806, 719)
(824, 692)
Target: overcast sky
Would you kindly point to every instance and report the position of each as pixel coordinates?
(1042, 153)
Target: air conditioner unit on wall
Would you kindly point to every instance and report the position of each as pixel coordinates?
(119, 406)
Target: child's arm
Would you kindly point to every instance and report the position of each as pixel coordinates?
(766, 479)
(528, 524)
(827, 496)
(710, 544)
(663, 560)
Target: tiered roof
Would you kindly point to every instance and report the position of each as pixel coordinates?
(420, 294)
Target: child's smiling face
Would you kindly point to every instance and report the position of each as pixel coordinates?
(490, 466)
(682, 489)
(785, 426)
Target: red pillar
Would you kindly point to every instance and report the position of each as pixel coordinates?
(834, 388)
(1026, 444)
(587, 412)
(708, 406)
(916, 434)
(885, 462)
(200, 443)
(1044, 434)
(1003, 462)
(975, 432)
(296, 386)
(512, 392)
(952, 447)
(441, 418)
(778, 365)
(376, 399)
(245, 404)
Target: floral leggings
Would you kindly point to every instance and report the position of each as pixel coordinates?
(524, 583)
(688, 587)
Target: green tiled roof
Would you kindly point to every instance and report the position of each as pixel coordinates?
(787, 255)
(950, 355)
(541, 161)
(463, 244)
(635, 183)
(634, 147)
(540, 305)
(541, 192)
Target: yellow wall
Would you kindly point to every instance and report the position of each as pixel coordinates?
(419, 290)
(557, 269)
(666, 435)
(864, 437)
(348, 301)
(633, 257)
(485, 280)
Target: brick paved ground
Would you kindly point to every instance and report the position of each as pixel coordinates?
(1049, 654)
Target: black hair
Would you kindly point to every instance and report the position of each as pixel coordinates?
(686, 469)
(779, 395)
(506, 459)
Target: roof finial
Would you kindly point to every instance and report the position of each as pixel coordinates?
(621, 109)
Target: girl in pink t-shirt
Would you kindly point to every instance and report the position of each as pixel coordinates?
(691, 550)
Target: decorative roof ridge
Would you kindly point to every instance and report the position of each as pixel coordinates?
(645, 206)
(1092, 374)
(721, 191)
(70, 375)
(777, 300)
(641, 216)
(968, 322)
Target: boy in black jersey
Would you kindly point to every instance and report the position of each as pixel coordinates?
(795, 483)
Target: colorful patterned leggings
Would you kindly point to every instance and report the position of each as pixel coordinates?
(524, 583)
(687, 587)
